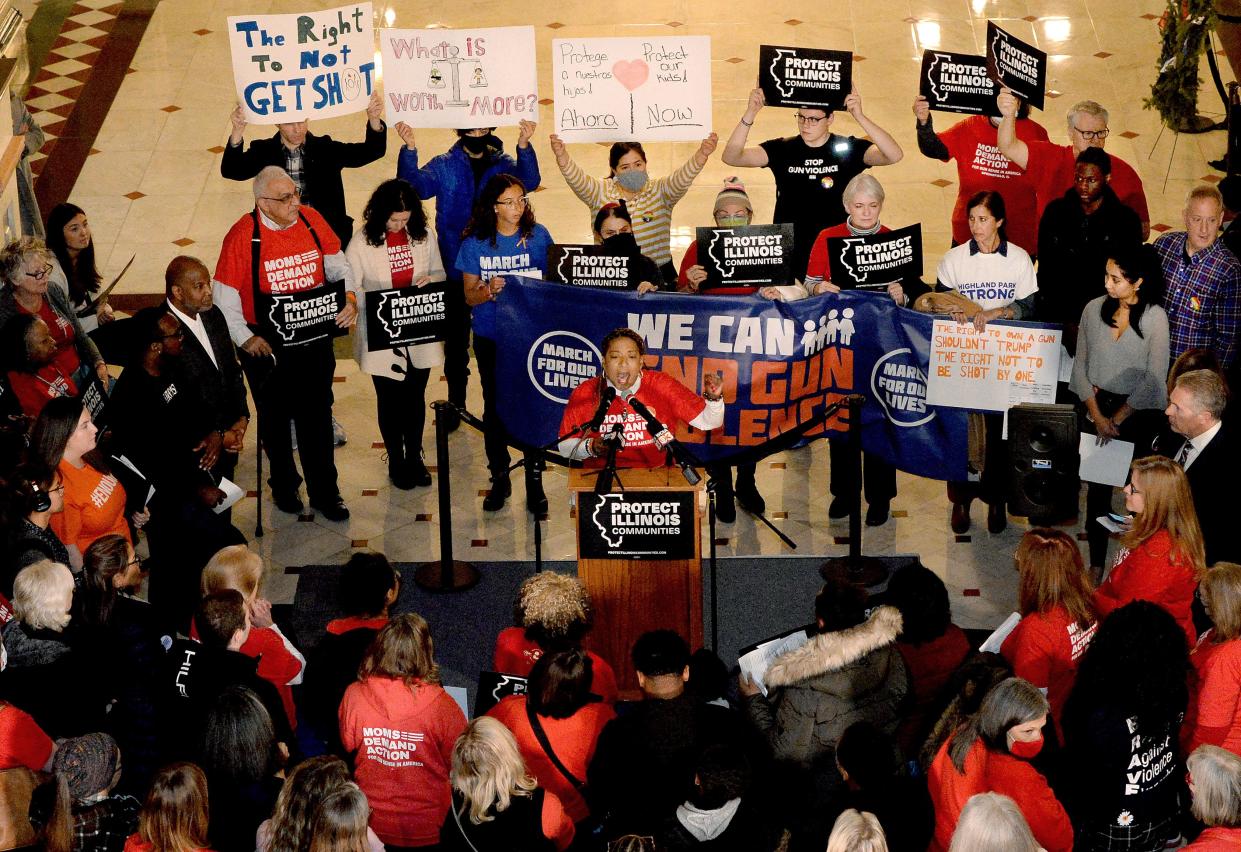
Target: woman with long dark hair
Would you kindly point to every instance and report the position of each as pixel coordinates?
(73, 263)
(305, 789)
(395, 248)
(1119, 368)
(175, 816)
(502, 239)
(1121, 769)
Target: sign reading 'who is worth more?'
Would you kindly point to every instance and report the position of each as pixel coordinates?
(804, 76)
(632, 89)
(1016, 65)
(295, 67)
(462, 79)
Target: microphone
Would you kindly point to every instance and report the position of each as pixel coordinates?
(613, 439)
(664, 439)
(605, 402)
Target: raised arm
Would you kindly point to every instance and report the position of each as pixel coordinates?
(885, 151)
(1006, 134)
(929, 143)
(589, 190)
(424, 181)
(735, 151)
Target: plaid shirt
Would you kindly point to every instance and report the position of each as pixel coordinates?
(1203, 297)
(105, 825)
(294, 164)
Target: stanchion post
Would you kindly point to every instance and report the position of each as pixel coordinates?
(258, 468)
(446, 575)
(715, 612)
(855, 462)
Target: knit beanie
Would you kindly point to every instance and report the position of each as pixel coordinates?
(733, 192)
(87, 763)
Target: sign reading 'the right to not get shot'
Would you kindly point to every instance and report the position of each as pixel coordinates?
(993, 369)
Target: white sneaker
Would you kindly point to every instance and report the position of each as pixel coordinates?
(293, 434)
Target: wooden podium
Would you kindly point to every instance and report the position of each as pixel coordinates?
(633, 594)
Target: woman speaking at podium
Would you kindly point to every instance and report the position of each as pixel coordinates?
(638, 409)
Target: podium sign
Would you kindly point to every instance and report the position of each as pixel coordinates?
(636, 525)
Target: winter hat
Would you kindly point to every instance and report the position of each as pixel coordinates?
(733, 191)
(86, 763)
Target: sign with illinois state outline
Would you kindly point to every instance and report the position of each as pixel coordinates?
(636, 525)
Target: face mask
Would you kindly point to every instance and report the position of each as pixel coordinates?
(632, 180)
(738, 221)
(479, 144)
(1027, 750)
(621, 244)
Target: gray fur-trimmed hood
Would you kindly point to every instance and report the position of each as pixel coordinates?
(828, 652)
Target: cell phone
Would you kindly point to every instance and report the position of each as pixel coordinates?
(1120, 519)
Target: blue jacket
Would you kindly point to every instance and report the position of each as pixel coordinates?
(450, 177)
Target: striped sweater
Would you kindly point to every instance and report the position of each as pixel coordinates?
(651, 208)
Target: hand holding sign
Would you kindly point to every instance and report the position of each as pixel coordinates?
(1016, 65)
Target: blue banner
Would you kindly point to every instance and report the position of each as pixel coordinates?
(781, 362)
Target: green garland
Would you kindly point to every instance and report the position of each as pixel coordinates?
(1186, 25)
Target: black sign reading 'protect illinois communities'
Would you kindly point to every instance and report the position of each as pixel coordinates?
(746, 256)
(590, 266)
(1016, 65)
(405, 315)
(636, 525)
(492, 687)
(805, 77)
(300, 318)
(957, 82)
(874, 261)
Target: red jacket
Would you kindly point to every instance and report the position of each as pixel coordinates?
(572, 739)
(1152, 572)
(1044, 649)
(929, 665)
(1217, 698)
(402, 738)
(516, 655)
(1216, 840)
(996, 772)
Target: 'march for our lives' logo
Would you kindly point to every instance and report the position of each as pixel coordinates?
(899, 383)
(559, 361)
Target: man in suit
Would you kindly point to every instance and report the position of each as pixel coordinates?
(208, 364)
(313, 162)
(1210, 457)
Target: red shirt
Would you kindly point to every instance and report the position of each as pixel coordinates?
(33, 390)
(337, 626)
(669, 401)
(135, 843)
(985, 772)
(980, 165)
(1044, 649)
(691, 259)
(516, 655)
(291, 263)
(819, 267)
(22, 741)
(277, 665)
(403, 738)
(930, 665)
(1152, 572)
(572, 739)
(1052, 168)
(1216, 840)
(1218, 696)
(66, 360)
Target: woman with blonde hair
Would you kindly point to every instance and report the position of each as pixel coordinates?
(1162, 557)
(1057, 615)
(175, 815)
(856, 831)
(1215, 784)
(992, 823)
(239, 568)
(289, 829)
(1217, 664)
(395, 709)
(497, 804)
(340, 823)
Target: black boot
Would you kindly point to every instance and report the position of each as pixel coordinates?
(501, 488)
(747, 492)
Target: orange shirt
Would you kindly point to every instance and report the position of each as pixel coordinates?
(94, 507)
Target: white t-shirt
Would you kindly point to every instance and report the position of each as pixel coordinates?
(993, 280)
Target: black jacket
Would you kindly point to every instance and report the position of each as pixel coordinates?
(323, 160)
(332, 666)
(1211, 483)
(221, 390)
(519, 828)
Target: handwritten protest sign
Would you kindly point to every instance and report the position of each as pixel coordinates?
(750, 256)
(294, 67)
(632, 89)
(957, 82)
(590, 266)
(1016, 65)
(992, 369)
(876, 260)
(465, 78)
(804, 76)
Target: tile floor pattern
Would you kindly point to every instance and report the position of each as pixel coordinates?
(54, 90)
(154, 190)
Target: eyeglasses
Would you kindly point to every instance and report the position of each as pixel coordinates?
(283, 199)
(514, 202)
(809, 119)
(137, 560)
(41, 274)
(1130, 488)
(60, 487)
(1093, 134)
(178, 334)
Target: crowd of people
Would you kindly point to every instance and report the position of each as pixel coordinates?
(184, 718)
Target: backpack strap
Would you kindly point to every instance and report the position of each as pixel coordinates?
(541, 735)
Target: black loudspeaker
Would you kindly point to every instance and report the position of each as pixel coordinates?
(1042, 443)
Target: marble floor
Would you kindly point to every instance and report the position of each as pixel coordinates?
(152, 188)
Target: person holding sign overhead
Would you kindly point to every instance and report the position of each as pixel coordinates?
(283, 248)
(649, 200)
(812, 168)
(395, 248)
(501, 239)
(998, 278)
